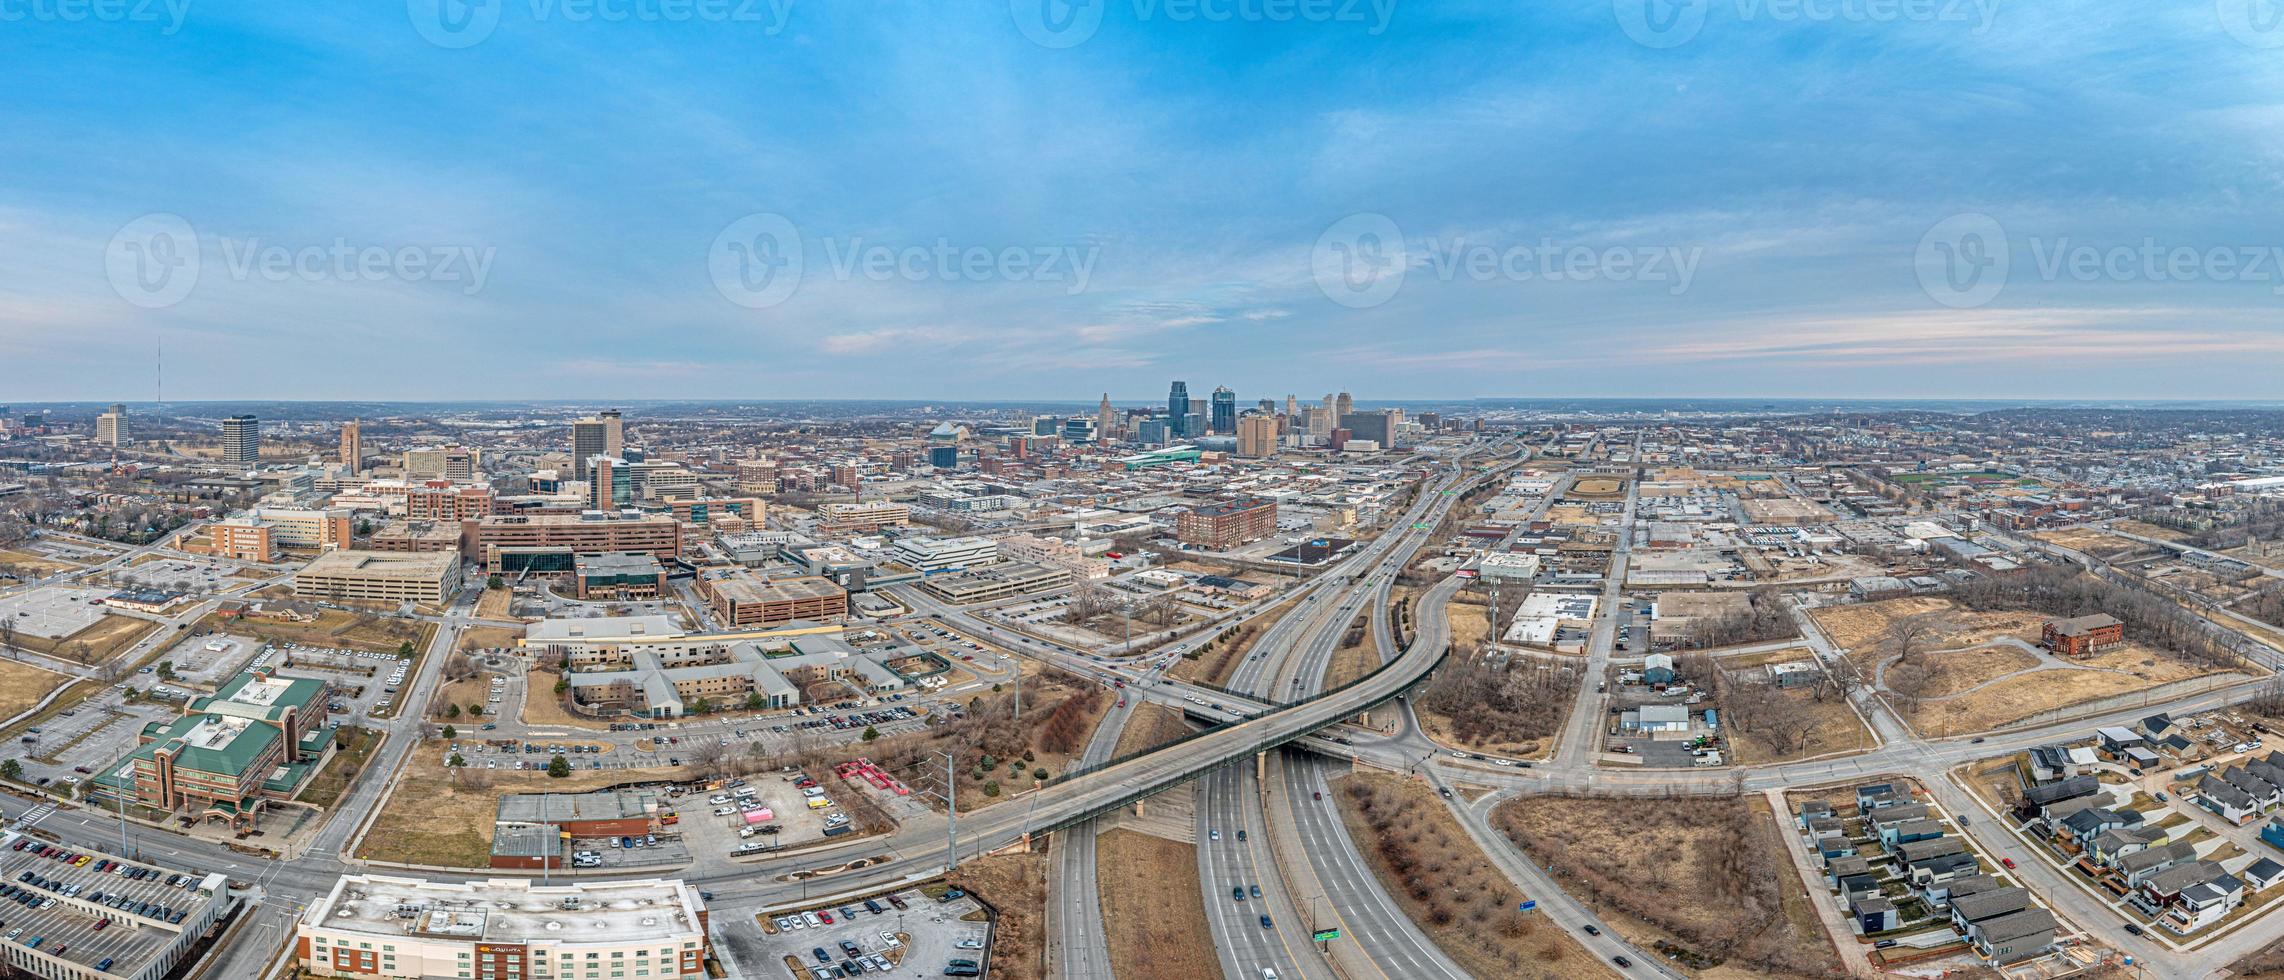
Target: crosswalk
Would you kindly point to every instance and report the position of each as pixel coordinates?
(35, 815)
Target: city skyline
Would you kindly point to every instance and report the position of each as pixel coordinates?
(562, 205)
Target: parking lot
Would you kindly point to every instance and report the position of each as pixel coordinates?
(204, 662)
(912, 934)
(186, 576)
(54, 611)
(97, 733)
(717, 823)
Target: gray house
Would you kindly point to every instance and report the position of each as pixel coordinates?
(2018, 936)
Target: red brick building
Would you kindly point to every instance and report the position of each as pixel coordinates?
(2083, 636)
(1222, 526)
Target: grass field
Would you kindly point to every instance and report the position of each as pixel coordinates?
(1153, 906)
(540, 706)
(1741, 917)
(327, 786)
(1863, 629)
(2148, 530)
(1836, 729)
(2020, 697)
(430, 820)
(36, 566)
(476, 638)
(495, 603)
(1953, 671)
(1443, 882)
(23, 685)
(2088, 540)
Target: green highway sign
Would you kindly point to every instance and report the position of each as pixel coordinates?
(1325, 935)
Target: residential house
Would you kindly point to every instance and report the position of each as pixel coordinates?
(1825, 827)
(2115, 740)
(1830, 849)
(1874, 796)
(2204, 903)
(2156, 727)
(2230, 803)
(2085, 825)
(1928, 872)
(2265, 794)
(2009, 938)
(1845, 866)
(2139, 866)
(2044, 795)
(1875, 913)
(1810, 811)
(1942, 894)
(2262, 875)
(1981, 906)
(1908, 831)
(2105, 850)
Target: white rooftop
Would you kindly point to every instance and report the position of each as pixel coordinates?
(510, 910)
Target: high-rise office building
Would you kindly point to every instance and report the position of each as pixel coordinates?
(242, 440)
(1292, 410)
(353, 446)
(111, 427)
(1105, 420)
(1343, 405)
(1224, 411)
(1257, 434)
(602, 435)
(1177, 407)
(1379, 427)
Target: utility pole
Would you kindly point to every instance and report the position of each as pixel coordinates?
(951, 814)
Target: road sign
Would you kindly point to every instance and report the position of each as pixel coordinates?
(1529, 905)
(1325, 935)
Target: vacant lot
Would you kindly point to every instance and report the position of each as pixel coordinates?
(999, 755)
(1697, 879)
(333, 628)
(1954, 671)
(1513, 710)
(1443, 882)
(1153, 906)
(2129, 668)
(445, 818)
(30, 565)
(2090, 541)
(1356, 656)
(1869, 631)
(543, 707)
(330, 783)
(108, 638)
(1831, 726)
(495, 604)
(478, 638)
(23, 685)
(2149, 530)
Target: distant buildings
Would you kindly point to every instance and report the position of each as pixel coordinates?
(1224, 411)
(1257, 435)
(1178, 409)
(242, 440)
(353, 446)
(603, 434)
(862, 517)
(546, 543)
(111, 427)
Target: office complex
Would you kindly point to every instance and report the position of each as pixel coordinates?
(862, 517)
(241, 538)
(1221, 526)
(383, 926)
(242, 440)
(1257, 435)
(230, 754)
(1224, 412)
(111, 427)
(298, 527)
(547, 542)
(603, 434)
(933, 554)
(742, 599)
(1178, 409)
(353, 446)
(428, 578)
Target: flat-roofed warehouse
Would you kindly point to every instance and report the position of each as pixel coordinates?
(744, 599)
(380, 576)
(386, 926)
(155, 921)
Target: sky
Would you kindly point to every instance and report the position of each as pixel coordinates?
(438, 199)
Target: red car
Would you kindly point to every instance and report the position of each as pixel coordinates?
(825, 917)
(2009, 862)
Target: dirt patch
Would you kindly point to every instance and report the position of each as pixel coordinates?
(1868, 631)
(2089, 541)
(542, 707)
(2021, 697)
(330, 783)
(2148, 530)
(1153, 906)
(333, 628)
(496, 604)
(1016, 886)
(1444, 883)
(1356, 656)
(31, 566)
(1690, 878)
(477, 638)
(1953, 671)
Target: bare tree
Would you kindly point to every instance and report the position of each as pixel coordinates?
(8, 638)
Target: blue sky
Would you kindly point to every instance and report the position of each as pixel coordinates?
(1751, 198)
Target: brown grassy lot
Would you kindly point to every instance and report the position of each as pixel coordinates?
(333, 628)
(435, 817)
(1356, 656)
(1836, 729)
(2148, 530)
(476, 638)
(1863, 628)
(2089, 541)
(495, 603)
(327, 786)
(1153, 906)
(1470, 621)
(1443, 882)
(1016, 885)
(1150, 726)
(540, 706)
(23, 685)
(1623, 858)
(37, 566)
(2020, 697)
(106, 638)
(1219, 659)
(1060, 713)
(1953, 671)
